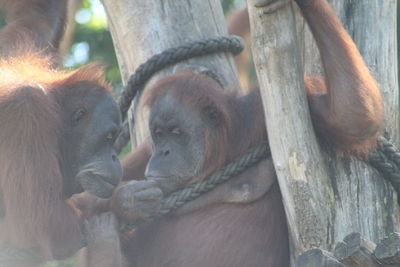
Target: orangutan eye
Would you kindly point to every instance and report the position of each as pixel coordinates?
(112, 135)
(78, 115)
(176, 131)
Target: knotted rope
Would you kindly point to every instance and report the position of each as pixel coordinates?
(145, 71)
(386, 159)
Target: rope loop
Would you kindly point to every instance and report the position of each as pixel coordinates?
(145, 71)
(233, 44)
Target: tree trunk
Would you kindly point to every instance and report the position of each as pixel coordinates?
(141, 29)
(325, 197)
(70, 26)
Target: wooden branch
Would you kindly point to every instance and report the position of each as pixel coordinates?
(141, 29)
(70, 25)
(317, 258)
(388, 250)
(325, 196)
(303, 180)
(356, 251)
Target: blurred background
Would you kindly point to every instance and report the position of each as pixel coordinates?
(88, 38)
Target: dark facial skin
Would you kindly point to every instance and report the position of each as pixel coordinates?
(178, 143)
(88, 146)
(100, 169)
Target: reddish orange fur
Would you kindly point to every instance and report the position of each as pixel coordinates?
(203, 93)
(238, 23)
(30, 181)
(32, 24)
(211, 234)
(36, 215)
(32, 69)
(134, 164)
(350, 114)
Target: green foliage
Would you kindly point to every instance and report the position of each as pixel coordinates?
(72, 262)
(2, 19)
(93, 38)
(101, 49)
(229, 5)
(125, 151)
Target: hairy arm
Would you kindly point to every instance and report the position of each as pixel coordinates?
(103, 248)
(347, 108)
(42, 219)
(134, 164)
(40, 23)
(238, 24)
(36, 215)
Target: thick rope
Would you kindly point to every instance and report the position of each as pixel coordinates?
(389, 149)
(386, 159)
(191, 192)
(171, 56)
(145, 71)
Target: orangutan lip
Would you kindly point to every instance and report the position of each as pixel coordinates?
(156, 178)
(104, 179)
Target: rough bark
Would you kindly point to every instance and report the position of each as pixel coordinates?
(326, 197)
(141, 29)
(303, 178)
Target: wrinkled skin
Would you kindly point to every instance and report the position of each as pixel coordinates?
(177, 134)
